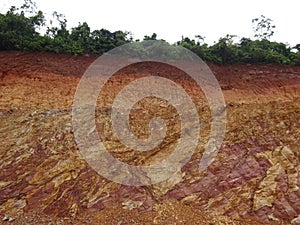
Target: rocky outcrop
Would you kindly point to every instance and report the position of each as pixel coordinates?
(255, 174)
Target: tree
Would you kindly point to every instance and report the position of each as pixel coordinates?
(153, 37)
(17, 30)
(55, 31)
(263, 27)
(297, 47)
(225, 51)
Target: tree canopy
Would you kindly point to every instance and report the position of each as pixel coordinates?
(20, 26)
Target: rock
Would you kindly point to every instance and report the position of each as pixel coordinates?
(8, 218)
(231, 104)
(163, 187)
(252, 72)
(131, 204)
(255, 173)
(296, 220)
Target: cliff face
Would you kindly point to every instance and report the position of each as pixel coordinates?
(255, 174)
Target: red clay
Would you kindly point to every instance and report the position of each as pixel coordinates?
(43, 178)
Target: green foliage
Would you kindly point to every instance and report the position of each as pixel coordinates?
(225, 51)
(103, 40)
(295, 59)
(200, 49)
(264, 51)
(148, 38)
(19, 31)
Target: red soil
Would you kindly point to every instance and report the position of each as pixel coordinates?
(34, 83)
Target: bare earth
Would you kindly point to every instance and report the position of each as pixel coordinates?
(44, 179)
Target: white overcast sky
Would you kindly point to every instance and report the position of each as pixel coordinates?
(172, 19)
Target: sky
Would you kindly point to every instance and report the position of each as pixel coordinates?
(172, 19)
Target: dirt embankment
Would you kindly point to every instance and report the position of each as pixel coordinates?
(43, 178)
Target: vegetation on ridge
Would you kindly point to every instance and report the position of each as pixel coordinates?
(19, 30)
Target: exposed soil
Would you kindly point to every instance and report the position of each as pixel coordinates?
(44, 179)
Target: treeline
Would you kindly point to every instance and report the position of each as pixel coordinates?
(20, 29)
(225, 51)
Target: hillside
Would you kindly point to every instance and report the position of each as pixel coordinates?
(43, 178)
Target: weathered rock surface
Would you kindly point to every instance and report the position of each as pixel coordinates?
(255, 174)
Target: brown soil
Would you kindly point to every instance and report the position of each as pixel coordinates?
(44, 180)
